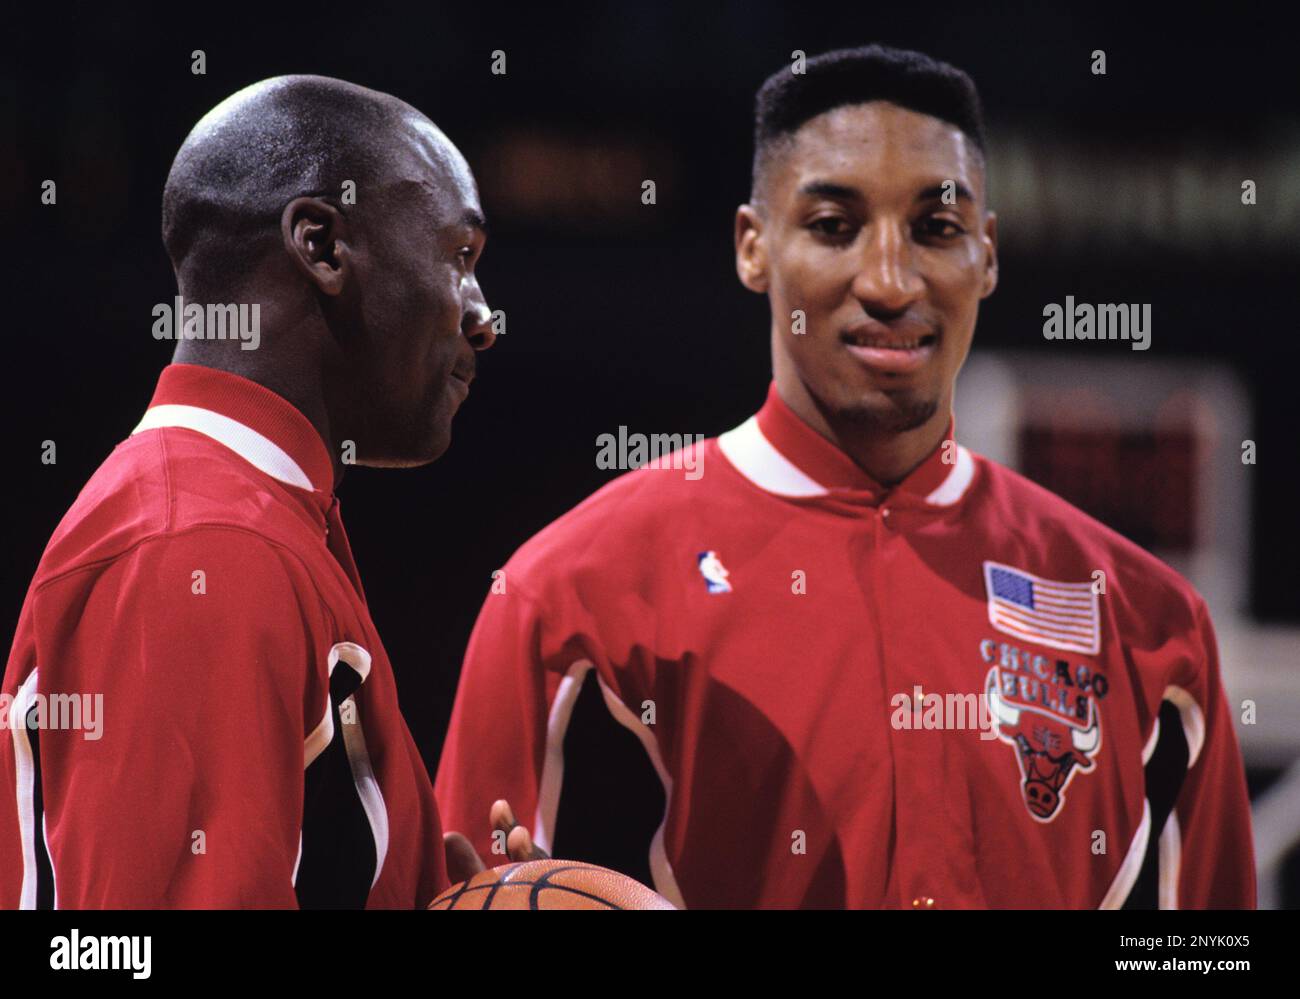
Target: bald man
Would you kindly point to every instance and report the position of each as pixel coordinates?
(202, 712)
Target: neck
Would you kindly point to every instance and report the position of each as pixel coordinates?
(292, 376)
(887, 456)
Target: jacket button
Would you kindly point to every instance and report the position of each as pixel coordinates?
(924, 902)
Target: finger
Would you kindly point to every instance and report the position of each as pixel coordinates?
(502, 816)
(520, 846)
(463, 861)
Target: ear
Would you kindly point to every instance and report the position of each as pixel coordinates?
(751, 249)
(314, 233)
(989, 240)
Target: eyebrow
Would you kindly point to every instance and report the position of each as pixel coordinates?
(475, 220)
(842, 192)
(826, 189)
(959, 189)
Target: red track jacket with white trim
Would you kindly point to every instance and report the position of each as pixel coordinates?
(960, 692)
(198, 709)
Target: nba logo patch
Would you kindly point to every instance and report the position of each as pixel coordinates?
(714, 572)
(1059, 615)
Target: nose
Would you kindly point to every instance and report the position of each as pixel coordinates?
(887, 281)
(476, 323)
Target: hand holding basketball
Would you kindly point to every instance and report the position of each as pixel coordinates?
(463, 862)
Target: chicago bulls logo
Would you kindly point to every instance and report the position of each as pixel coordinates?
(1050, 747)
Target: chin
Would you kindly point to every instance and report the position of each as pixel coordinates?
(429, 453)
(893, 411)
(393, 462)
(414, 453)
(436, 446)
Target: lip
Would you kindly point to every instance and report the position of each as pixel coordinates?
(461, 382)
(889, 351)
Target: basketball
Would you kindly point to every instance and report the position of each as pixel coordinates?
(550, 884)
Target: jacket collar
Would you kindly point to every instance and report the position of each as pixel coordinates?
(781, 454)
(260, 426)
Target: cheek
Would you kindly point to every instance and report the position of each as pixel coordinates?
(429, 314)
(956, 282)
(445, 310)
(959, 269)
(813, 281)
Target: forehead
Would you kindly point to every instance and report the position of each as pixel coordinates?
(431, 161)
(879, 145)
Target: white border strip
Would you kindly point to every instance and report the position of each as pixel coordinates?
(372, 798)
(557, 726)
(1150, 747)
(1171, 850)
(758, 460)
(548, 795)
(26, 788)
(661, 869)
(1128, 873)
(958, 481)
(354, 741)
(259, 451)
(1193, 721)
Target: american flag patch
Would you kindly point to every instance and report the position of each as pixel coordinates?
(1062, 615)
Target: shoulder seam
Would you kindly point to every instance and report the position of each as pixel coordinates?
(539, 615)
(523, 590)
(194, 529)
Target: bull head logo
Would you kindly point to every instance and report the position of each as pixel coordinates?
(1048, 750)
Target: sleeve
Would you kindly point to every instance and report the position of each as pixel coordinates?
(496, 742)
(1213, 863)
(536, 722)
(197, 652)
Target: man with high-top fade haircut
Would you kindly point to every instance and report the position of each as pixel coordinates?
(854, 664)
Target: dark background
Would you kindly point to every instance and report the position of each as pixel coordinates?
(618, 313)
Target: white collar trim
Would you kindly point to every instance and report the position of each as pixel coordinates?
(259, 451)
(954, 487)
(757, 459)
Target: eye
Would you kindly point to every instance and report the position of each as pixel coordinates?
(936, 227)
(832, 227)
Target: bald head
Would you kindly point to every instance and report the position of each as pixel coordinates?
(371, 310)
(274, 141)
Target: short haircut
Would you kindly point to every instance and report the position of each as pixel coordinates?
(912, 80)
(255, 152)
